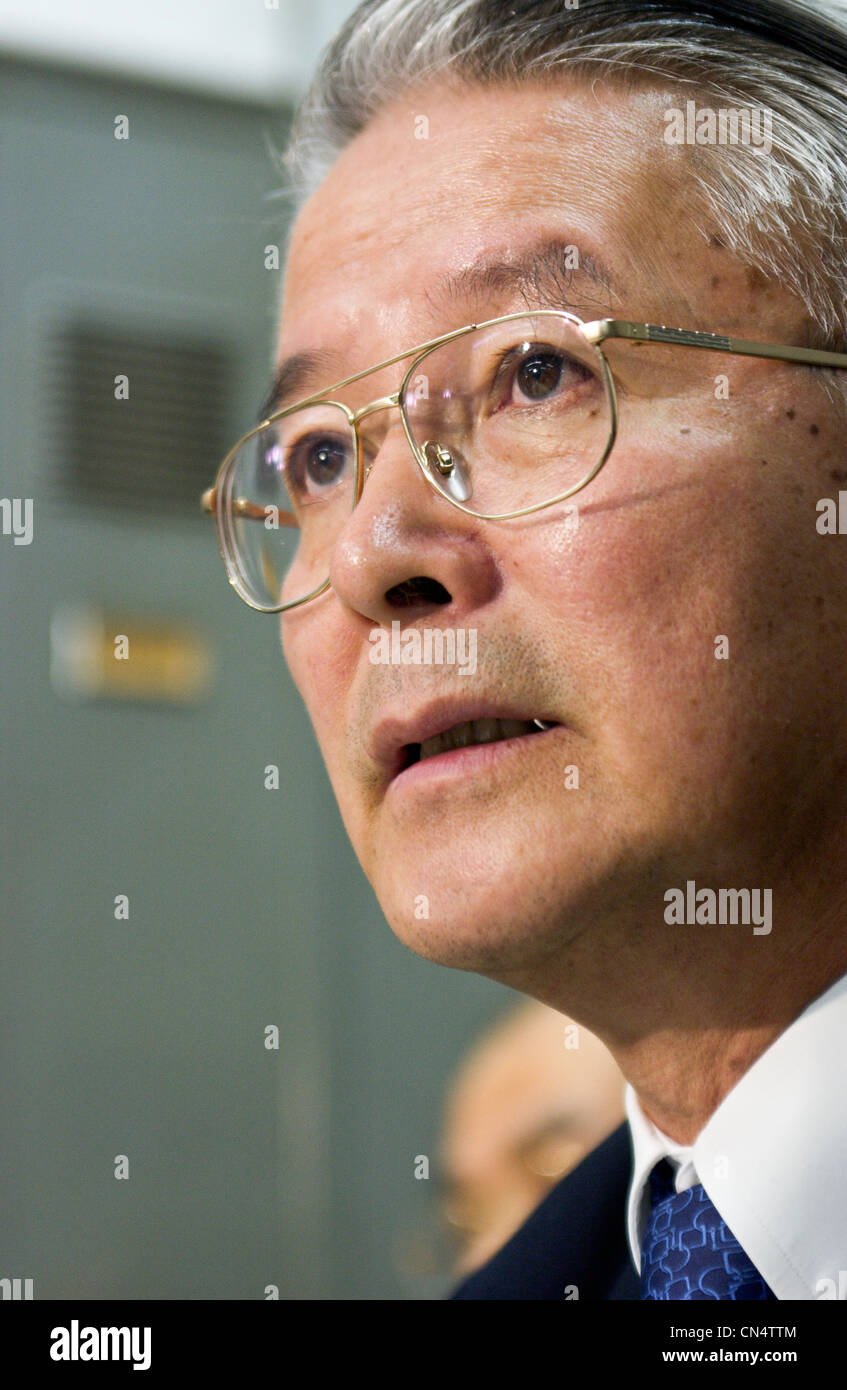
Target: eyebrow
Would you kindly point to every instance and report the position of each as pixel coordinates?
(542, 277)
(294, 375)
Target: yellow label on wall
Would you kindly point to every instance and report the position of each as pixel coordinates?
(99, 655)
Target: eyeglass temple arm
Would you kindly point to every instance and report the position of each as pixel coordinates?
(241, 507)
(603, 329)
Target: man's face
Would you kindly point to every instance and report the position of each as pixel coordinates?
(701, 526)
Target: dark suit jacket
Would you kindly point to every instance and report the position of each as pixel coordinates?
(577, 1236)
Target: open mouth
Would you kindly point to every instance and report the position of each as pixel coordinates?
(471, 733)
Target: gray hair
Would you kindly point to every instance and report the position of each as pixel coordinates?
(785, 215)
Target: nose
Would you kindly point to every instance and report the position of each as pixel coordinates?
(406, 547)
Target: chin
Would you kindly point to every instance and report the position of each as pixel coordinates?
(490, 922)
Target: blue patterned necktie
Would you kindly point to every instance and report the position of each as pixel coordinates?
(688, 1251)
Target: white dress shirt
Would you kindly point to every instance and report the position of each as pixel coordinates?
(772, 1157)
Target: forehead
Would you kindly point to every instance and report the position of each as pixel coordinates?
(448, 177)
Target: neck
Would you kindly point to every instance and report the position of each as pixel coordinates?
(687, 1024)
(681, 1081)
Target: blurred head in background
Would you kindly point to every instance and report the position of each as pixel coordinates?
(533, 1097)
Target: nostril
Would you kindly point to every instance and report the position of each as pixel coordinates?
(421, 589)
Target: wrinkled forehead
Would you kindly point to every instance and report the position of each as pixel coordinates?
(434, 168)
(456, 203)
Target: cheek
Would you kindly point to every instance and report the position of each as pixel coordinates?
(665, 560)
(321, 655)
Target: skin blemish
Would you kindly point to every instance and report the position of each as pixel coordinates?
(716, 279)
(813, 429)
(790, 414)
(763, 462)
(839, 475)
(685, 430)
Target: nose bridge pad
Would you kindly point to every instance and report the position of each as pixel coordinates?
(448, 469)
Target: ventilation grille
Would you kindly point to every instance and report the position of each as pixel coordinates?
(156, 450)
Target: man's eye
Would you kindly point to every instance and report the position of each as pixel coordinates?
(538, 375)
(317, 462)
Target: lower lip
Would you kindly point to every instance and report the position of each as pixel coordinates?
(464, 762)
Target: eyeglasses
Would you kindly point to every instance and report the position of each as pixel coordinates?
(503, 418)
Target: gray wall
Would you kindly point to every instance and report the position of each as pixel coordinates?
(145, 1037)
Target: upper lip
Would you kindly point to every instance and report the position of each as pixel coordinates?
(391, 735)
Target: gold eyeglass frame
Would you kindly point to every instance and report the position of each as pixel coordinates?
(595, 334)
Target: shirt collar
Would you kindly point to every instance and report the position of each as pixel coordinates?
(770, 1157)
(649, 1146)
